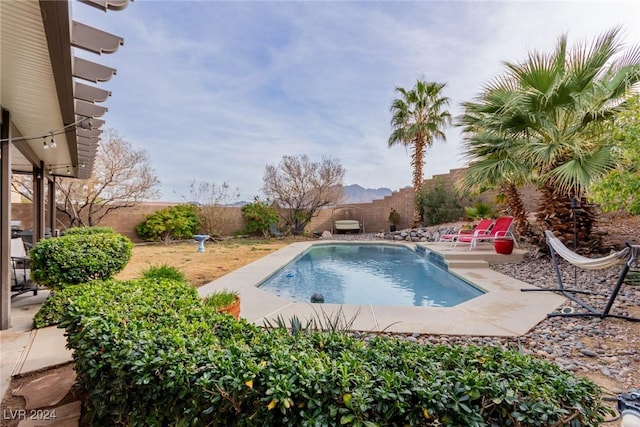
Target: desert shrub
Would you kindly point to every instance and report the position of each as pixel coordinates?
(259, 216)
(151, 354)
(175, 222)
(87, 230)
(163, 271)
(479, 210)
(79, 258)
(438, 205)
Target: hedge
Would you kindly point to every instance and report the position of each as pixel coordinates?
(151, 354)
(79, 258)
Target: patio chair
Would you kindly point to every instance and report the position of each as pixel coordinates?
(20, 265)
(501, 228)
(273, 230)
(482, 227)
(630, 255)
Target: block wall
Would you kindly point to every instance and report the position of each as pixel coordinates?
(374, 214)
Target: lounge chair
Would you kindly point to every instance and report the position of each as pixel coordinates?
(482, 227)
(630, 255)
(20, 265)
(501, 228)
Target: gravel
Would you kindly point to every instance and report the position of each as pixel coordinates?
(608, 347)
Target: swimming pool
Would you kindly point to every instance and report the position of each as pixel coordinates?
(377, 274)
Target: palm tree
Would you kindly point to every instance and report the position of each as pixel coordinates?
(418, 119)
(492, 166)
(556, 111)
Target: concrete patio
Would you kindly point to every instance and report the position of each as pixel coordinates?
(502, 311)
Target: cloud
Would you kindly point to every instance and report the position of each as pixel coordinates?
(215, 91)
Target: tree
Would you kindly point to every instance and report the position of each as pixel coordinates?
(122, 177)
(302, 187)
(418, 119)
(438, 205)
(259, 216)
(211, 198)
(619, 189)
(554, 114)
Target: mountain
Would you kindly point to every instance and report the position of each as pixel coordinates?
(355, 193)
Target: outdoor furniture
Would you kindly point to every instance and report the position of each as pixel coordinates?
(347, 221)
(482, 228)
(501, 228)
(20, 266)
(347, 225)
(273, 230)
(631, 254)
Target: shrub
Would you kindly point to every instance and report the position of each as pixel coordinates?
(52, 309)
(150, 353)
(176, 222)
(259, 216)
(87, 230)
(437, 205)
(79, 258)
(163, 271)
(479, 210)
(220, 299)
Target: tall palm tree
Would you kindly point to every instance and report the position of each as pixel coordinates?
(556, 111)
(419, 117)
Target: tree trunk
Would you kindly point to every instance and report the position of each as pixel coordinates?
(572, 224)
(417, 163)
(516, 208)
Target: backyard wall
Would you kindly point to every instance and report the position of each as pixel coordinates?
(374, 214)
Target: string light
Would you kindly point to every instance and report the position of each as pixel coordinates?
(68, 170)
(53, 141)
(44, 143)
(84, 123)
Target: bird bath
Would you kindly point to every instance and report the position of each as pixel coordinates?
(201, 239)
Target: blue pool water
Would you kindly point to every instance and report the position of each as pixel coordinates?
(369, 274)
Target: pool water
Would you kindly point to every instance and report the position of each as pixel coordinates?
(375, 274)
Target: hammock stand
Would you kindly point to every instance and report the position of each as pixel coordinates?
(556, 247)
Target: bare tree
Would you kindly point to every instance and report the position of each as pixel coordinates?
(302, 187)
(122, 177)
(213, 214)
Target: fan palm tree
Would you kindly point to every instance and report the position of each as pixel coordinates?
(555, 112)
(419, 117)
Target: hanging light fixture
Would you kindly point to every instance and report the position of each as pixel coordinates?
(68, 170)
(45, 146)
(53, 141)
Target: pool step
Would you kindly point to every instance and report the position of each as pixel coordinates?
(459, 263)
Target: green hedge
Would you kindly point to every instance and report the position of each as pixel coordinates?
(79, 258)
(151, 354)
(87, 230)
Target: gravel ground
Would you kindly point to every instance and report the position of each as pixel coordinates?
(607, 351)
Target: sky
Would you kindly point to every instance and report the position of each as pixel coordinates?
(214, 91)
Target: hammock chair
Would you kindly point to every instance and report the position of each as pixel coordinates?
(631, 253)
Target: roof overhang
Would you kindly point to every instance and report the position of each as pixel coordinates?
(39, 87)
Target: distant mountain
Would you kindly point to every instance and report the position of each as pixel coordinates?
(355, 193)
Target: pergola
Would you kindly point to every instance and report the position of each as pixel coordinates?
(50, 121)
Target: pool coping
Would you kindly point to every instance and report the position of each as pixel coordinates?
(502, 311)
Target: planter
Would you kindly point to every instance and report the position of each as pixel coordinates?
(233, 309)
(503, 246)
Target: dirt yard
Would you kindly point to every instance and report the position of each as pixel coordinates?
(218, 259)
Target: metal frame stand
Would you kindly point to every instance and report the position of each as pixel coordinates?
(591, 312)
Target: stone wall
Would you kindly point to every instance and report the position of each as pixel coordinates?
(374, 214)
